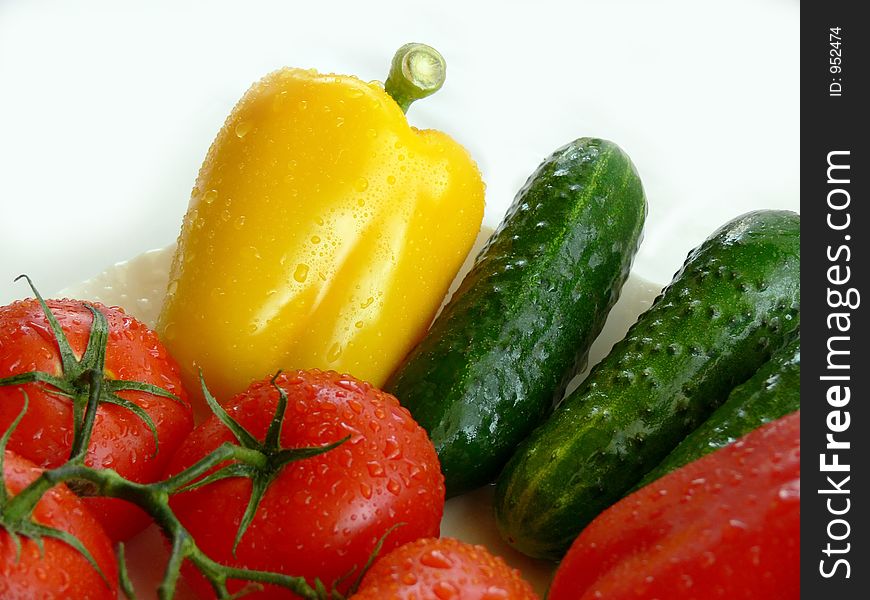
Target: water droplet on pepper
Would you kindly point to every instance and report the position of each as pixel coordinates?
(301, 273)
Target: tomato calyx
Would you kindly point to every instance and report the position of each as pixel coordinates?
(266, 459)
(84, 382)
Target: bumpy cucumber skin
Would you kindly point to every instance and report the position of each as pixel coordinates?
(736, 299)
(773, 392)
(522, 321)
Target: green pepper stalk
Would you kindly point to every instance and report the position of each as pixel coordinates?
(417, 71)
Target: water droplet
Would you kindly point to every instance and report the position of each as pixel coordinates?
(278, 101)
(64, 580)
(302, 497)
(358, 324)
(315, 239)
(334, 352)
(210, 196)
(352, 385)
(708, 559)
(375, 468)
(436, 559)
(301, 273)
(361, 184)
(239, 222)
(367, 303)
(392, 449)
(243, 128)
(790, 491)
(170, 332)
(394, 487)
(755, 554)
(391, 180)
(445, 590)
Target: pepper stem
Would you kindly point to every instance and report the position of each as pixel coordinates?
(417, 71)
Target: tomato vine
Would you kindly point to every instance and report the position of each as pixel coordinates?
(83, 381)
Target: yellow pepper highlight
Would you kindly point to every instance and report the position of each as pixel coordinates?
(323, 231)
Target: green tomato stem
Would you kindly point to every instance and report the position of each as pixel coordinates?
(154, 499)
(222, 453)
(417, 71)
(124, 581)
(85, 427)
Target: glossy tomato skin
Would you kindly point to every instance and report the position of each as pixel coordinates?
(322, 515)
(121, 440)
(61, 571)
(443, 568)
(724, 526)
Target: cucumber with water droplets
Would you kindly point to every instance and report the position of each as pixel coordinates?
(735, 301)
(773, 392)
(522, 321)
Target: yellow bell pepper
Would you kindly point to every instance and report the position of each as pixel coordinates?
(323, 231)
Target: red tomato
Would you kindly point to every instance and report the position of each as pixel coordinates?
(60, 571)
(443, 569)
(724, 526)
(121, 440)
(321, 516)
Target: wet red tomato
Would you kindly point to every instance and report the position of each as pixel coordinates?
(58, 570)
(121, 440)
(322, 516)
(443, 569)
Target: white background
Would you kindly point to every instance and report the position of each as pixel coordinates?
(107, 107)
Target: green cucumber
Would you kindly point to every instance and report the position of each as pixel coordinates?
(735, 300)
(773, 392)
(520, 324)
